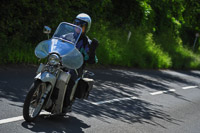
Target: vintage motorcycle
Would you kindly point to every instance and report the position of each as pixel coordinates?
(52, 78)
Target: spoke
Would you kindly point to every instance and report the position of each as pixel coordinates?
(33, 101)
(36, 103)
(31, 112)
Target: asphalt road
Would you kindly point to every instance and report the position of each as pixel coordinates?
(122, 101)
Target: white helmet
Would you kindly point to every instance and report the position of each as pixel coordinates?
(83, 19)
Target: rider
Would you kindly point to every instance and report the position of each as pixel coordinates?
(84, 45)
(84, 21)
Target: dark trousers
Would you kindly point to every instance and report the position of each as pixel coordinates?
(74, 77)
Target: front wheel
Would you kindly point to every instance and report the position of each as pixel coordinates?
(34, 101)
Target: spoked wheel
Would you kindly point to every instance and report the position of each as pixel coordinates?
(34, 101)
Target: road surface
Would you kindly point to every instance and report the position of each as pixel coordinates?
(122, 101)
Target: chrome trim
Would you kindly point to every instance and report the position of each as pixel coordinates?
(40, 68)
(46, 77)
(74, 89)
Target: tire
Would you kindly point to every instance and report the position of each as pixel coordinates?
(32, 108)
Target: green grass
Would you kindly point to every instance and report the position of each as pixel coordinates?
(143, 50)
(182, 57)
(18, 54)
(140, 51)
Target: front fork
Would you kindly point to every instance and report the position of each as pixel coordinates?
(48, 78)
(60, 82)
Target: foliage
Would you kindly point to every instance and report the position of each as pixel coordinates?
(163, 31)
(181, 56)
(140, 51)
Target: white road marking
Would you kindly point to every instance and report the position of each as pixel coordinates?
(18, 118)
(111, 101)
(8, 120)
(161, 92)
(189, 87)
(157, 93)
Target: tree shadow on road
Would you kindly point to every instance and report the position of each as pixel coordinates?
(56, 124)
(120, 84)
(110, 84)
(131, 111)
(15, 82)
(135, 82)
(193, 73)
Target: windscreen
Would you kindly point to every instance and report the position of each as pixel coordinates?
(68, 32)
(63, 43)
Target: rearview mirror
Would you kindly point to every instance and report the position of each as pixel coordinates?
(47, 30)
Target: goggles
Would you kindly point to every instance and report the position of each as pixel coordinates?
(80, 22)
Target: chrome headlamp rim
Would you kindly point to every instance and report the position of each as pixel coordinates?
(54, 59)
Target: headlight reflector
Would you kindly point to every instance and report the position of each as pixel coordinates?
(54, 59)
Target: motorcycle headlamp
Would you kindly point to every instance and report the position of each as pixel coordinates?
(54, 59)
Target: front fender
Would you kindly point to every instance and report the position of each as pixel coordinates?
(46, 77)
